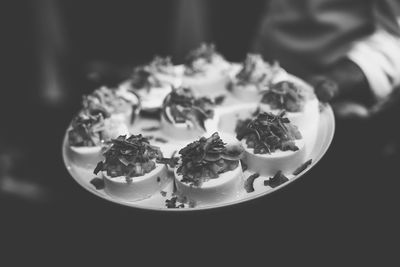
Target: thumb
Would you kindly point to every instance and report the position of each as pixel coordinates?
(326, 89)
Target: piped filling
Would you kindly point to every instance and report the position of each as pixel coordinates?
(129, 156)
(267, 133)
(206, 159)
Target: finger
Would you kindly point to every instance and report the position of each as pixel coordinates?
(350, 110)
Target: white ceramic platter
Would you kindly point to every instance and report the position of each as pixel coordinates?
(225, 122)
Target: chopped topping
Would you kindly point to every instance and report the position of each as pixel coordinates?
(97, 183)
(219, 99)
(163, 193)
(108, 101)
(287, 96)
(249, 183)
(161, 65)
(256, 71)
(160, 140)
(207, 158)
(182, 106)
(145, 76)
(151, 129)
(129, 156)
(268, 133)
(142, 78)
(302, 167)
(172, 203)
(199, 59)
(87, 130)
(276, 180)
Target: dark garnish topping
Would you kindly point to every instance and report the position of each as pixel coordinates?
(206, 158)
(86, 130)
(129, 156)
(206, 52)
(97, 183)
(150, 129)
(276, 180)
(172, 203)
(302, 167)
(219, 99)
(286, 95)
(183, 106)
(268, 133)
(161, 65)
(249, 183)
(142, 78)
(160, 140)
(256, 71)
(106, 101)
(158, 179)
(171, 162)
(163, 193)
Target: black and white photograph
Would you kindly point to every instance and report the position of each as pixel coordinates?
(186, 132)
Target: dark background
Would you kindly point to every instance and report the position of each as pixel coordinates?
(344, 211)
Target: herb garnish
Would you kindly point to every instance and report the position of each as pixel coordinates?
(97, 183)
(129, 156)
(145, 76)
(199, 58)
(276, 180)
(151, 129)
(302, 167)
(256, 71)
(184, 106)
(207, 158)
(106, 101)
(249, 183)
(87, 130)
(171, 203)
(286, 95)
(268, 133)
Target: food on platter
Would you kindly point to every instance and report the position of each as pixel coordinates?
(206, 71)
(254, 76)
(154, 81)
(209, 171)
(130, 171)
(272, 143)
(184, 116)
(221, 146)
(118, 104)
(299, 102)
(88, 133)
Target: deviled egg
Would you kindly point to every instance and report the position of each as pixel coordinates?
(184, 116)
(271, 144)
(206, 71)
(153, 81)
(130, 171)
(118, 104)
(255, 75)
(88, 133)
(209, 171)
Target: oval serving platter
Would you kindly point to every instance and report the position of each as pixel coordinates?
(224, 123)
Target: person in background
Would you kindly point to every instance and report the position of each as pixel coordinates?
(348, 49)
